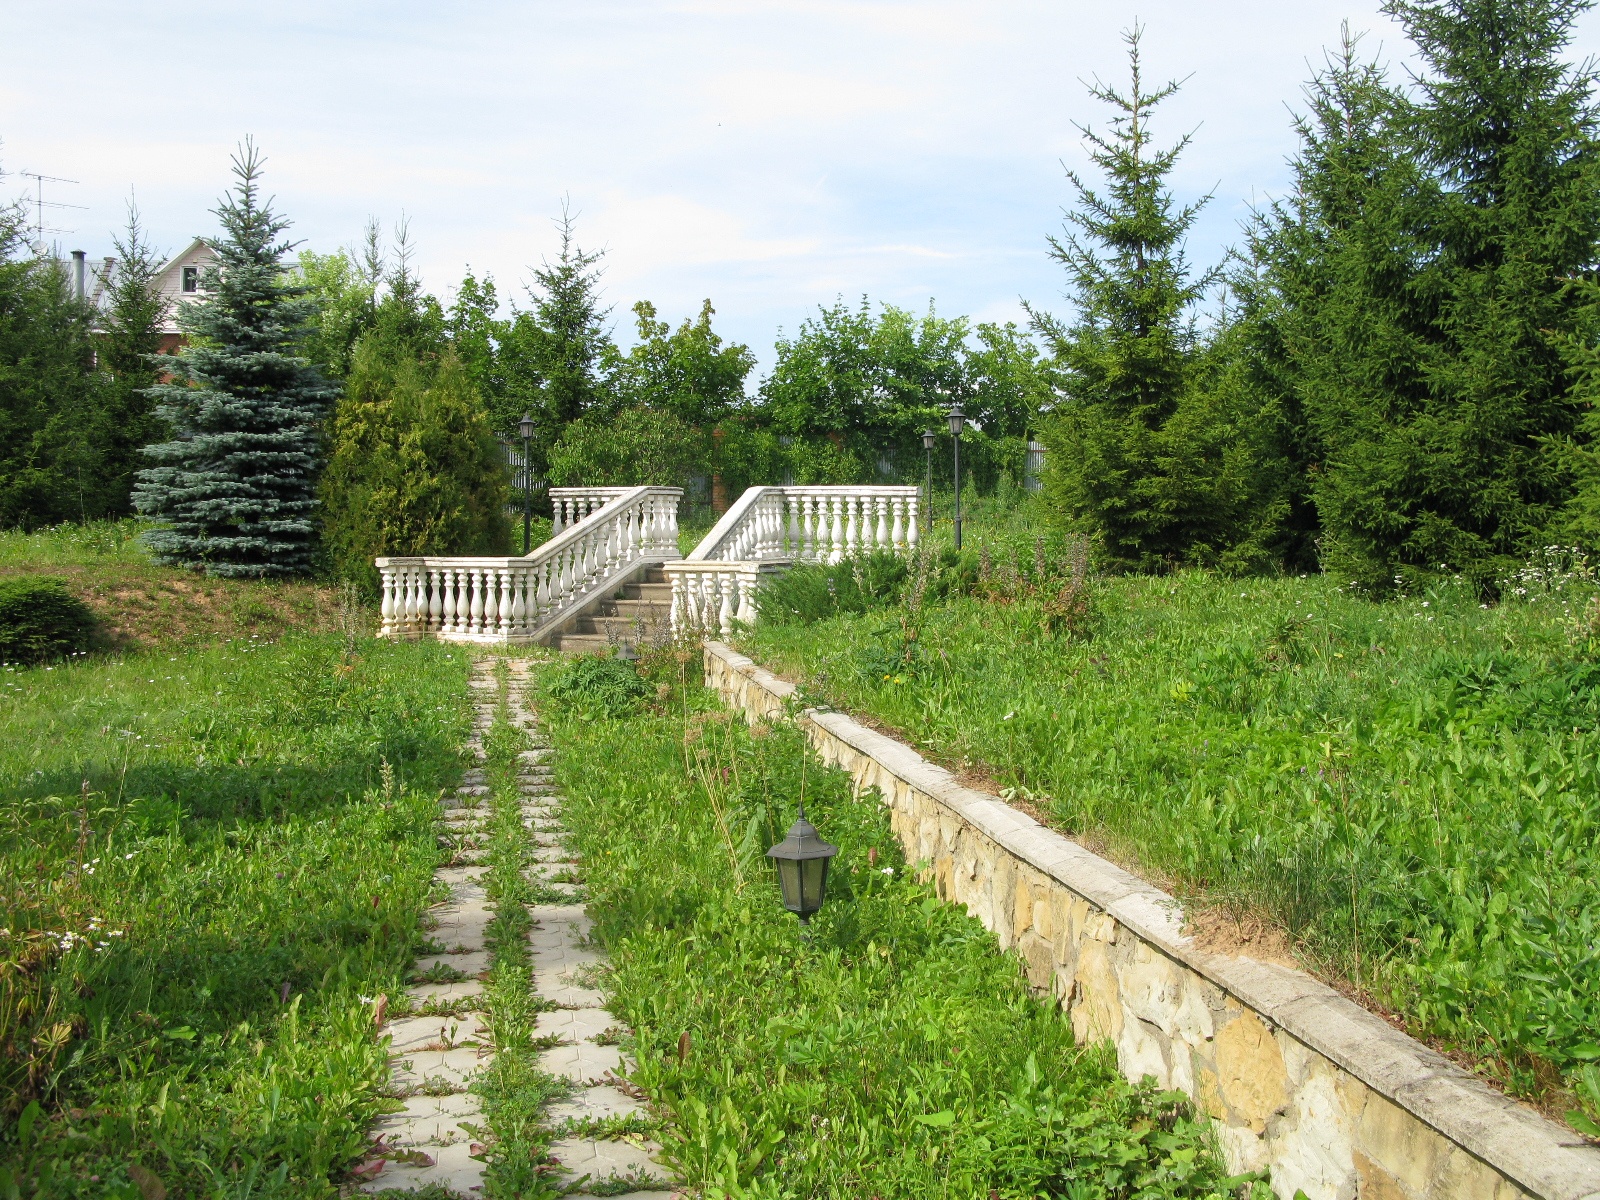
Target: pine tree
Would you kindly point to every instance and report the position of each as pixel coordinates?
(129, 338)
(235, 492)
(1141, 456)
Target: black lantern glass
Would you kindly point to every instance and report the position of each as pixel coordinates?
(802, 862)
(957, 419)
(525, 427)
(928, 439)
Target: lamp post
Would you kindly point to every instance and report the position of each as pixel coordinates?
(525, 427)
(958, 420)
(802, 862)
(929, 437)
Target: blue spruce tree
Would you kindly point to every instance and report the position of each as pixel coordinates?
(235, 490)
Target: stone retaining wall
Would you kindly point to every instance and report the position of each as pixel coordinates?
(1299, 1080)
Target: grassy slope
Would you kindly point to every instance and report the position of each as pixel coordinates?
(142, 605)
(207, 875)
(1408, 788)
(895, 1054)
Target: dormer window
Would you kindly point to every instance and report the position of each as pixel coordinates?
(191, 279)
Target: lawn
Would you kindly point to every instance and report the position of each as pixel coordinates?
(1406, 790)
(213, 861)
(142, 605)
(895, 1052)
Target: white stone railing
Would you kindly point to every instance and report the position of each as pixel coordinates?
(569, 505)
(813, 524)
(524, 599)
(769, 528)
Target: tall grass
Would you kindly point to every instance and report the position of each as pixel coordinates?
(213, 862)
(1408, 788)
(893, 1053)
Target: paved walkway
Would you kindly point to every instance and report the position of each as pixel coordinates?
(435, 1057)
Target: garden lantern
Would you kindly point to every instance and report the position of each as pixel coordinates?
(525, 427)
(928, 439)
(958, 421)
(802, 862)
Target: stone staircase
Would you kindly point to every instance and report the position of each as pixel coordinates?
(641, 610)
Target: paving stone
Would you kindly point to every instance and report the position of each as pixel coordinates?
(583, 1062)
(461, 989)
(594, 1103)
(604, 1159)
(457, 1067)
(470, 963)
(454, 1168)
(409, 1034)
(576, 1025)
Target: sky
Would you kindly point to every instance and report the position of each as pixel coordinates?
(771, 155)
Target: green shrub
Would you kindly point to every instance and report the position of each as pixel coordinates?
(814, 592)
(40, 619)
(594, 687)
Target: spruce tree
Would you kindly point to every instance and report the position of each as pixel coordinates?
(1142, 456)
(1468, 210)
(50, 391)
(235, 492)
(129, 338)
(552, 353)
(1331, 328)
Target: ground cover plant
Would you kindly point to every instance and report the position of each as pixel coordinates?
(1408, 789)
(213, 862)
(139, 605)
(895, 1052)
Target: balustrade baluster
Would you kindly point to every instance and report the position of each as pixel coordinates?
(725, 584)
(898, 532)
(852, 532)
(435, 600)
(386, 603)
(911, 522)
(447, 599)
(881, 503)
(747, 597)
(808, 545)
(408, 601)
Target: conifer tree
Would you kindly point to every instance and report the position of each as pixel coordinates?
(1140, 455)
(1331, 329)
(129, 339)
(552, 353)
(235, 491)
(1439, 256)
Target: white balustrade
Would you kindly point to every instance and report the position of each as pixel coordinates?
(569, 505)
(716, 583)
(814, 524)
(708, 597)
(520, 599)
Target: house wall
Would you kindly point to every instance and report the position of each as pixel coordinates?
(1297, 1079)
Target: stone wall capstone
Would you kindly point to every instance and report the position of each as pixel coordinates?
(1297, 1079)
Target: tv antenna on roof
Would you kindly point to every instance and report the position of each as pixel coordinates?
(40, 203)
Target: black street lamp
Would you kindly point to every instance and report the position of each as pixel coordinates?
(525, 427)
(928, 439)
(802, 862)
(958, 420)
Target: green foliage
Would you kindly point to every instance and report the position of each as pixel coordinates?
(413, 466)
(235, 491)
(208, 873)
(1407, 789)
(595, 687)
(852, 391)
(49, 392)
(1421, 290)
(344, 285)
(895, 1052)
(811, 592)
(1151, 452)
(686, 372)
(551, 354)
(129, 337)
(635, 446)
(41, 620)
